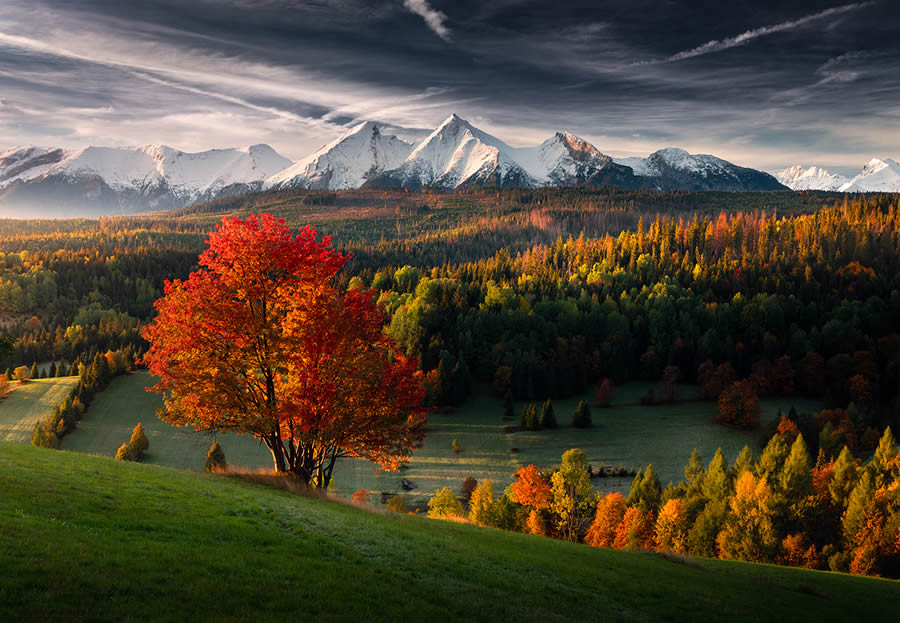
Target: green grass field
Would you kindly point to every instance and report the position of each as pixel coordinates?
(85, 538)
(625, 434)
(28, 403)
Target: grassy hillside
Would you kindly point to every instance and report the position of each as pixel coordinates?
(28, 403)
(89, 538)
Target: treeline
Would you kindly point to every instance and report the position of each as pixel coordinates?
(832, 513)
(92, 379)
(815, 297)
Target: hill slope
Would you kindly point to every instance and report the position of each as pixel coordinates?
(88, 538)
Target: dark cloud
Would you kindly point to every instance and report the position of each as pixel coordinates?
(764, 83)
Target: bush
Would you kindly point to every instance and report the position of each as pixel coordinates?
(445, 504)
(396, 504)
(530, 417)
(215, 459)
(21, 374)
(582, 418)
(456, 447)
(361, 497)
(136, 446)
(138, 443)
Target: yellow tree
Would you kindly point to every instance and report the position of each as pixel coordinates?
(749, 533)
(671, 527)
(571, 489)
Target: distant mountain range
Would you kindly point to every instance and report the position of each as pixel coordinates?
(877, 176)
(104, 180)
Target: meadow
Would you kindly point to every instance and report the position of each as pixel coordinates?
(626, 434)
(29, 402)
(87, 538)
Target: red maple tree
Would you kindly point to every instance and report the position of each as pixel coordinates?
(259, 341)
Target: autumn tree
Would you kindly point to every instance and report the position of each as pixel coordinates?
(610, 511)
(671, 527)
(530, 488)
(739, 405)
(749, 532)
(259, 341)
(444, 504)
(571, 488)
(215, 459)
(482, 504)
(604, 393)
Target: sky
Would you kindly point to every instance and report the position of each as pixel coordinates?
(766, 84)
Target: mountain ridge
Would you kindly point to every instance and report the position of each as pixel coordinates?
(95, 180)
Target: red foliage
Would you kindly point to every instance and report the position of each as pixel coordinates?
(739, 405)
(610, 511)
(605, 393)
(258, 341)
(530, 488)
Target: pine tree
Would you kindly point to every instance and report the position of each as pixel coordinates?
(795, 481)
(647, 492)
(530, 417)
(35, 373)
(509, 410)
(694, 473)
(716, 484)
(138, 443)
(215, 459)
(843, 479)
(582, 417)
(548, 417)
(881, 460)
(772, 459)
(859, 506)
(743, 463)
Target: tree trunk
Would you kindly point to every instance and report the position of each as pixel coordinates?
(273, 442)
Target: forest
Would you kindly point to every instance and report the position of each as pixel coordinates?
(536, 295)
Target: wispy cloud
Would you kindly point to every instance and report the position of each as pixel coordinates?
(434, 18)
(717, 45)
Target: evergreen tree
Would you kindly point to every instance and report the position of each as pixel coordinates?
(772, 459)
(881, 460)
(215, 459)
(843, 479)
(509, 410)
(138, 443)
(694, 473)
(582, 417)
(530, 417)
(743, 463)
(716, 483)
(34, 374)
(548, 417)
(795, 482)
(647, 492)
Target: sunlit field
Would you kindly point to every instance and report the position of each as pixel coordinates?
(626, 435)
(28, 403)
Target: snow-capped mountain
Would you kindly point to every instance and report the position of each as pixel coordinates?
(675, 169)
(813, 178)
(877, 176)
(348, 162)
(457, 154)
(115, 180)
(107, 180)
(567, 160)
